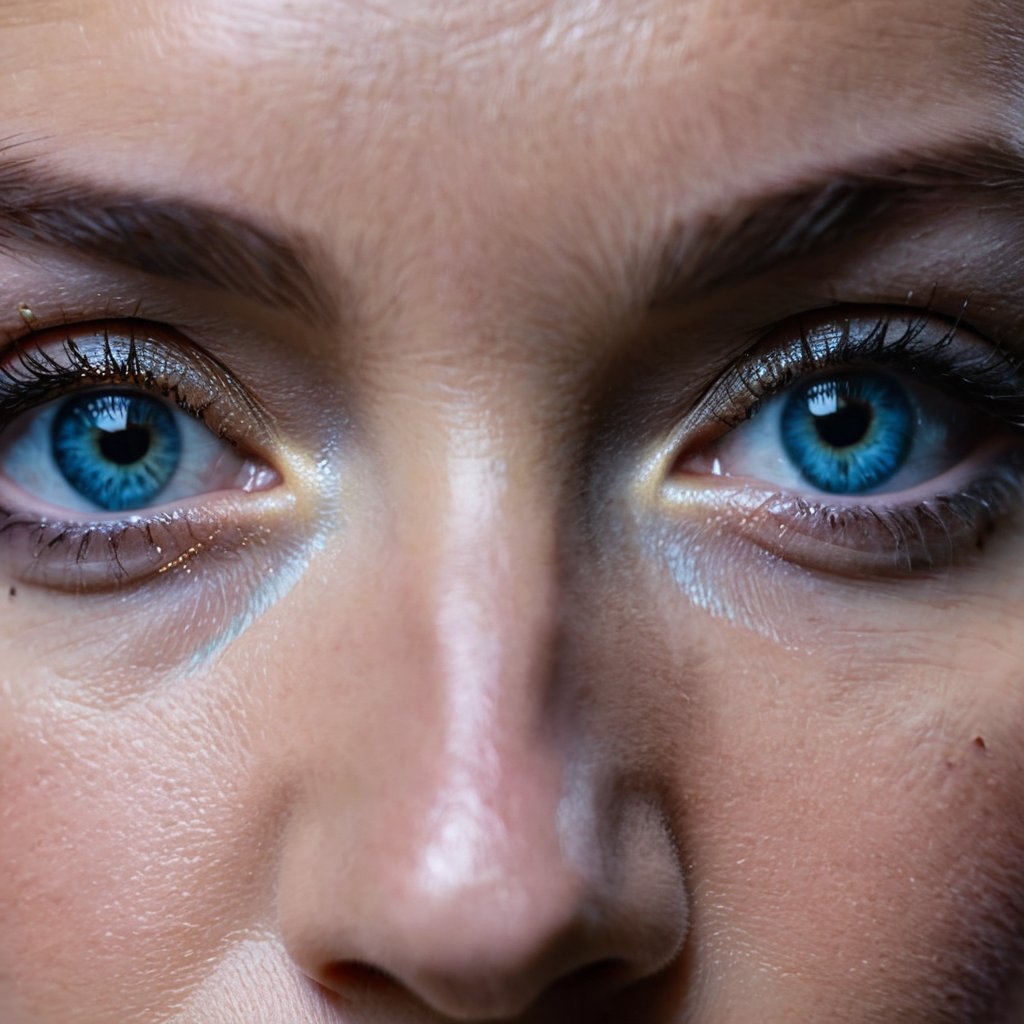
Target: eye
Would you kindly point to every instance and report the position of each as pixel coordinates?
(116, 451)
(126, 452)
(860, 432)
(861, 445)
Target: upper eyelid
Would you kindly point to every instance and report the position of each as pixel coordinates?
(981, 372)
(42, 364)
(900, 338)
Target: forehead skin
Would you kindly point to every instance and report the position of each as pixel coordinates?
(480, 183)
(451, 113)
(467, 132)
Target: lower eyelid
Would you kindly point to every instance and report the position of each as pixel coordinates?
(107, 555)
(887, 535)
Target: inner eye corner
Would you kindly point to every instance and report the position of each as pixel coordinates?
(119, 449)
(912, 439)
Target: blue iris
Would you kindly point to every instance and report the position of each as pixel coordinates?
(117, 449)
(848, 434)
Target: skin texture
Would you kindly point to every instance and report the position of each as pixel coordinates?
(474, 717)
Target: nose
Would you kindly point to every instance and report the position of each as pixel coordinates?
(457, 840)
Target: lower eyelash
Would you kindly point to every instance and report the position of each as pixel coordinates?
(101, 556)
(865, 541)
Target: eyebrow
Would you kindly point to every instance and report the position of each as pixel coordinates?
(719, 250)
(175, 239)
(184, 241)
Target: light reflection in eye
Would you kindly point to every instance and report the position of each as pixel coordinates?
(887, 443)
(117, 450)
(850, 433)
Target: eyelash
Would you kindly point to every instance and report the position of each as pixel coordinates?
(991, 380)
(842, 537)
(31, 376)
(105, 553)
(839, 537)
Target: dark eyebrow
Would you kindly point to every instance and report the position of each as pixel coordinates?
(171, 238)
(817, 215)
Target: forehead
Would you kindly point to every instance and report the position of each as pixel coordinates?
(529, 119)
(730, 69)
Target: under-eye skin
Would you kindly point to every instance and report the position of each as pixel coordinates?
(126, 452)
(885, 442)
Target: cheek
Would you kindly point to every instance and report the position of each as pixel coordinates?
(849, 800)
(855, 824)
(130, 850)
(882, 865)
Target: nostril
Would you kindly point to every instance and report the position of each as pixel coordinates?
(355, 978)
(611, 971)
(593, 982)
(579, 990)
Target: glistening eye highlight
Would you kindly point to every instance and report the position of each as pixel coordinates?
(117, 450)
(97, 422)
(848, 434)
(859, 445)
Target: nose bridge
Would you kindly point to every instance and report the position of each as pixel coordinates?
(494, 605)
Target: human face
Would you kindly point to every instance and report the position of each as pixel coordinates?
(495, 669)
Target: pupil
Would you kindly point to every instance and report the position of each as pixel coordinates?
(124, 447)
(847, 426)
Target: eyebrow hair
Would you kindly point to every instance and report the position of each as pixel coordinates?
(193, 243)
(171, 238)
(802, 220)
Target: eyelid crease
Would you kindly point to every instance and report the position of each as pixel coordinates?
(41, 365)
(939, 352)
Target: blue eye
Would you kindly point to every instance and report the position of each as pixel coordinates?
(116, 450)
(119, 451)
(848, 434)
(854, 432)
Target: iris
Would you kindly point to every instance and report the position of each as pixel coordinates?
(849, 433)
(118, 449)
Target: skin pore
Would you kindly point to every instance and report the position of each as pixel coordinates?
(496, 697)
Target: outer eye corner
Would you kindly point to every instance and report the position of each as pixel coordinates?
(104, 436)
(842, 461)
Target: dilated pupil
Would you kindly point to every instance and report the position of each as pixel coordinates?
(848, 425)
(123, 447)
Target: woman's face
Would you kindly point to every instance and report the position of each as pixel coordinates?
(511, 511)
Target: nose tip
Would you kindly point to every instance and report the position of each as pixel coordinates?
(491, 920)
(492, 950)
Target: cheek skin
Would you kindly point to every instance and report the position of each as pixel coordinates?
(850, 805)
(133, 848)
(876, 857)
(860, 870)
